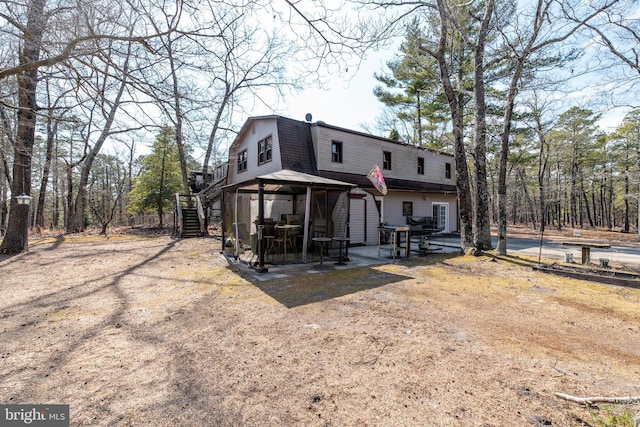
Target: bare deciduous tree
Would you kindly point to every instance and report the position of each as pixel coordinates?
(16, 236)
(49, 38)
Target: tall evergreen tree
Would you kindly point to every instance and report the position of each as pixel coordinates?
(626, 145)
(576, 129)
(413, 91)
(160, 177)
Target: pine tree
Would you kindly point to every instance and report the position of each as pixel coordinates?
(626, 147)
(160, 178)
(412, 91)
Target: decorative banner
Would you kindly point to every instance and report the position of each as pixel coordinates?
(375, 176)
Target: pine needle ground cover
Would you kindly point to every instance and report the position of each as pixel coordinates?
(134, 330)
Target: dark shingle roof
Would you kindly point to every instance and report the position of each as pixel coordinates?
(296, 146)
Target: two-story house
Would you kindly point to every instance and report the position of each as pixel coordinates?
(334, 162)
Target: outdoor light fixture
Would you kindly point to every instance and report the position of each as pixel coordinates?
(23, 220)
(23, 199)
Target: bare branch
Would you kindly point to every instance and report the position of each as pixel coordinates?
(67, 52)
(591, 401)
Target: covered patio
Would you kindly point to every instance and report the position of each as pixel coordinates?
(286, 213)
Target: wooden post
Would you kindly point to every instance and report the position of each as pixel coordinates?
(260, 245)
(586, 255)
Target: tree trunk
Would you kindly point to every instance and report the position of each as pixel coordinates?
(76, 222)
(4, 211)
(161, 192)
(178, 122)
(542, 167)
(482, 223)
(588, 210)
(8, 134)
(15, 239)
(462, 173)
(626, 225)
(5, 176)
(51, 132)
(573, 211)
(638, 193)
(529, 208)
(212, 136)
(501, 241)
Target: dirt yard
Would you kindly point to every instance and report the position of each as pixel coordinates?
(152, 331)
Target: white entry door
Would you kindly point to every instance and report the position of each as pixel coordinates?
(441, 215)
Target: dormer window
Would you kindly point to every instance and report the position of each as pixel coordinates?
(447, 170)
(420, 165)
(386, 160)
(336, 152)
(264, 150)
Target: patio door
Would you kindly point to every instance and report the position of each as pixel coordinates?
(441, 215)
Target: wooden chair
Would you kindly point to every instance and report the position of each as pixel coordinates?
(269, 237)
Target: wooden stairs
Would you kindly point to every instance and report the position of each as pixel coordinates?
(190, 220)
(190, 223)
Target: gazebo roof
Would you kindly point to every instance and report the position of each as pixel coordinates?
(290, 182)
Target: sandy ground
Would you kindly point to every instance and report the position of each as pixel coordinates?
(152, 331)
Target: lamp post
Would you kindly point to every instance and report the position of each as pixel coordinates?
(23, 204)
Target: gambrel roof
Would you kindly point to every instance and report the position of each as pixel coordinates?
(296, 145)
(295, 141)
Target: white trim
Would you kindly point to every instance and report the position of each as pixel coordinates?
(447, 229)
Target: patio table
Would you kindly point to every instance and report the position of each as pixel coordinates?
(285, 229)
(341, 241)
(322, 241)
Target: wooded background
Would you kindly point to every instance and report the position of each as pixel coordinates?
(517, 91)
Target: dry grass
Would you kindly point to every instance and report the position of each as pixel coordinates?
(155, 331)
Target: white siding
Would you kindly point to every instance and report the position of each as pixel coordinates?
(373, 220)
(259, 129)
(364, 219)
(393, 214)
(356, 222)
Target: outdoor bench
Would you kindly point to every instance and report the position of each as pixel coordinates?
(586, 249)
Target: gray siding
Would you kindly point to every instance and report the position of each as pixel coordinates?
(361, 152)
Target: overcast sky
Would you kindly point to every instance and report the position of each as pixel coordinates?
(347, 100)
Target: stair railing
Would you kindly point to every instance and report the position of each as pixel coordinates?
(179, 222)
(184, 204)
(201, 216)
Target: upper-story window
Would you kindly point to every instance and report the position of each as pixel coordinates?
(420, 165)
(336, 152)
(242, 161)
(264, 150)
(386, 160)
(447, 170)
